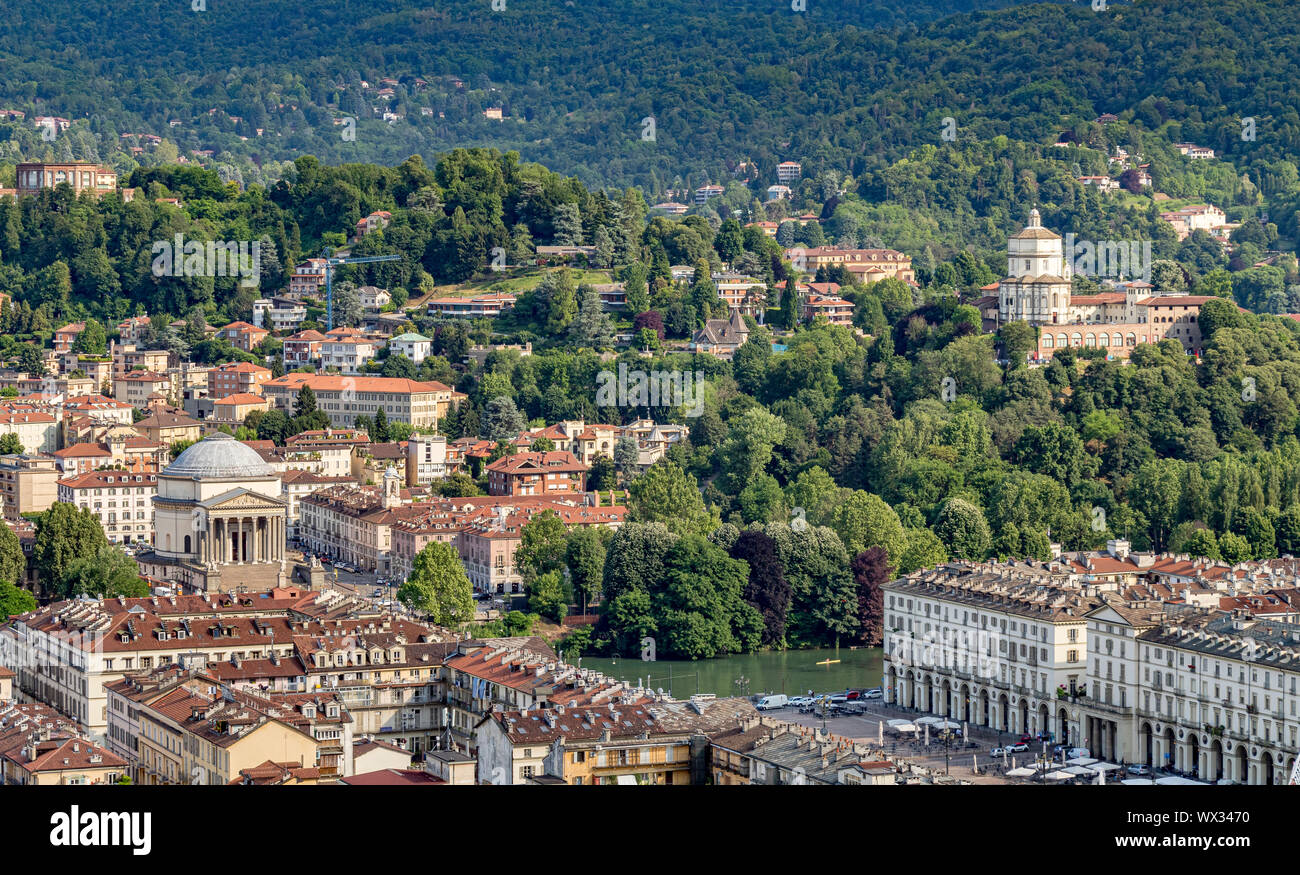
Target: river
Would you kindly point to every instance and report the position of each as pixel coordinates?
(793, 672)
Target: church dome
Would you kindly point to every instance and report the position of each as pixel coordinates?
(219, 456)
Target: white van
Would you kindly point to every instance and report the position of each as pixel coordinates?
(1077, 753)
(769, 703)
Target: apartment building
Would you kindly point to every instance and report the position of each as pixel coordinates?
(138, 387)
(388, 677)
(28, 484)
(541, 473)
(988, 644)
(295, 485)
(353, 523)
(233, 410)
(236, 378)
(166, 427)
(585, 441)
(65, 653)
(242, 335)
(302, 349)
(478, 307)
(1198, 217)
(41, 757)
(308, 278)
(832, 308)
(98, 407)
(1213, 693)
(122, 501)
(37, 432)
(768, 752)
(426, 459)
(277, 316)
(629, 739)
(869, 265)
(343, 399)
(519, 674)
(203, 733)
(621, 744)
(332, 448)
(348, 354)
(487, 542)
(743, 293)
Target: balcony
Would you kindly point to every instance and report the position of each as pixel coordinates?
(1107, 707)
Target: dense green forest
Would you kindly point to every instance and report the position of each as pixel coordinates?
(858, 96)
(845, 86)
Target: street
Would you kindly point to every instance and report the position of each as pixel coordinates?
(960, 760)
(361, 583)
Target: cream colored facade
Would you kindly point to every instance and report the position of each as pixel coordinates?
(121, 500)
(219, 519)
(37, 432)
(28, 483)
(170, 754)
(352, 523)
(343, 398)
(993, 657)
(1210, 693)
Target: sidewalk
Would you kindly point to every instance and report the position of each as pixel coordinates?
(960, 762)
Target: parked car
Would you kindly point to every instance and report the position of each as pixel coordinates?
(1018, 747)
(1078, 752)
(853, 695)
(771, 703)
(799, 701)
(378, 593)
(873, 693)
(838, 699)
(1139, 770)
(998, 752)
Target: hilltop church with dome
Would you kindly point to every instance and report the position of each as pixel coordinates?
(219, 521)
(1037, 290)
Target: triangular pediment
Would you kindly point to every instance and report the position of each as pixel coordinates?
(240, 499)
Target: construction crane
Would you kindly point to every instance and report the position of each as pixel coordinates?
(330, 263)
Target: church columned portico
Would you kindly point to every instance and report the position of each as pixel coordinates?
(219, 519)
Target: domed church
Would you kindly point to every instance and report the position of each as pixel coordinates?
(219, 521)
(1037, 287)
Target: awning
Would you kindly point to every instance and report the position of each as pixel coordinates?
(921, 721)
(626, 779)
(1058, 776)
(1101, 767)
(1080, 761)
(897, 722)
(1146, 781)
(1174, 779)
(1021, 772)
(1078, 770)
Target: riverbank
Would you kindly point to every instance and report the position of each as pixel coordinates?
(792, 672)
